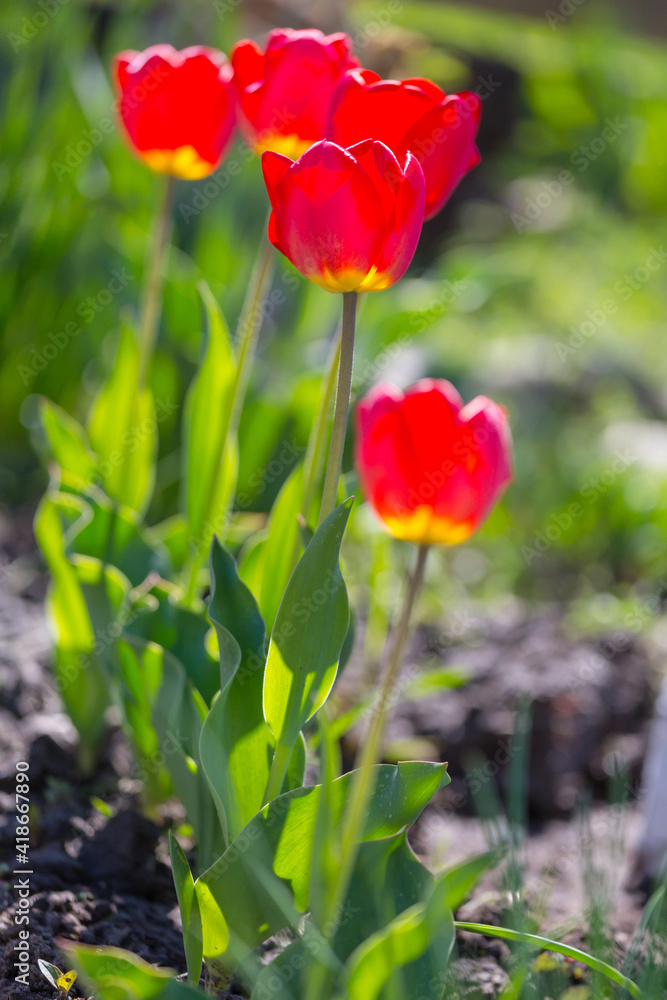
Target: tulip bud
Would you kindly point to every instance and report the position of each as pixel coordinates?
(178, 109)
(348, 219)
(431, 468)
(285, 92)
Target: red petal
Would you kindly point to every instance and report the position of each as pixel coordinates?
(248, 63)
(405, 225)
(383, 110)
(444, 142)
(330, 220)
(172, 100)
(274, 168)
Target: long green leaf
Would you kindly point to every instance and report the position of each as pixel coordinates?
(209, 480)
(548, 945)
(69, 446)
(281, 547)
(189, 907)
(402, 942)
(82, 680)
(308, 635)
(236, 745)
(123, 429)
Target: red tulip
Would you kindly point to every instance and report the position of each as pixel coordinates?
(178, 108)
(431, 467)
(349, 219)
(410, 116)
(286, 91)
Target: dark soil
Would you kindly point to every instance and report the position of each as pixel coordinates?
(95, 879)
(102, 880)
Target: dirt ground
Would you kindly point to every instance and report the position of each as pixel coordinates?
(104, 880)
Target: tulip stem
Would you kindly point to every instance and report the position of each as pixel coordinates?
(151, 305)
(314, 459)
(342, 405)
(364, 777)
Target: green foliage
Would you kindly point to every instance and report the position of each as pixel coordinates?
(123, 429)
(116, 974)
(307, 639)
(246, 886)
(210, 452)
(509, 934)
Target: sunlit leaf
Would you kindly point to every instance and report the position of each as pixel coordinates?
(274, 850)
(308, 635)
(123, 428)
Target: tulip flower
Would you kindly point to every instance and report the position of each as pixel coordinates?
(178, 109)
(285, 92)
(348, 219)
(410, 116)
(431, 467)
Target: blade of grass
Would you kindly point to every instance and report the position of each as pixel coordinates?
(506, 933)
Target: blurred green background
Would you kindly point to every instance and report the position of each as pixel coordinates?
(542, 284)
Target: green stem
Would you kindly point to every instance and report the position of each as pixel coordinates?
(364, 778)
(247, 331)
(314, 460)
(151, 305)
(342, 405)
(277, 773)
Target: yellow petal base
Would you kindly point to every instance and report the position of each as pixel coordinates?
(289, 145)
(351, 280)
(424, 527)
(184, 162)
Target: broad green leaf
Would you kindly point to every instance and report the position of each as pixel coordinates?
(123, 428)
(173, 534)
(116, 534)
(422, 927)
(81, 679)
(209, 481)
(69, 446)
(236, 744)
(308, 634)
(251, 562)
(177, 715)
(547, 944)
(461, 879)
(115, 974)
(282, 546)
(140, 679)
(387, 879)
(182, 633)
(274, 850)
(187, 902)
